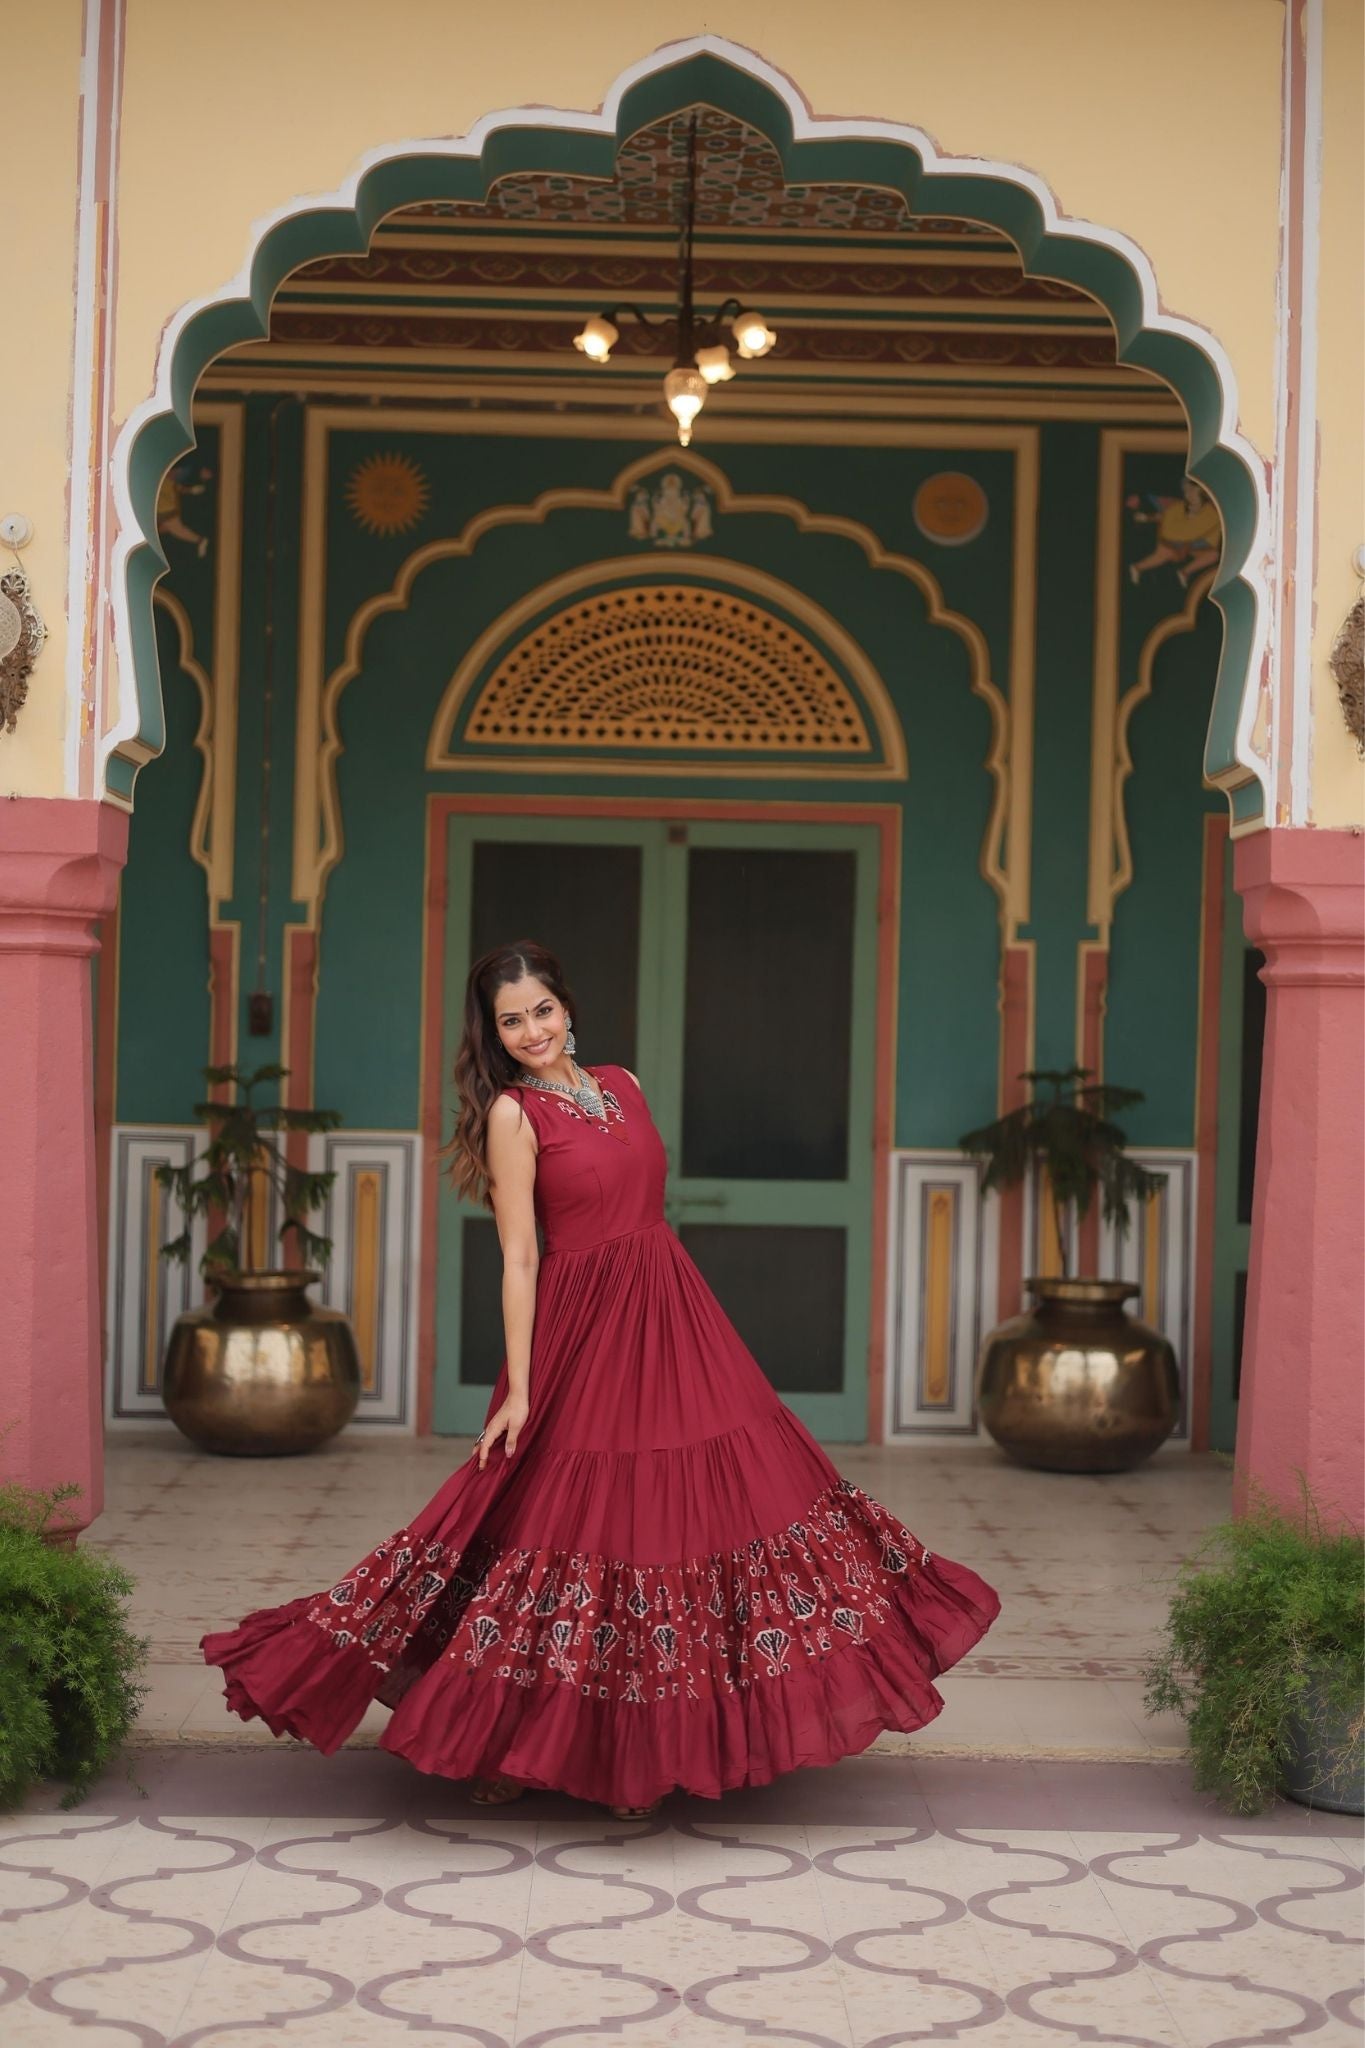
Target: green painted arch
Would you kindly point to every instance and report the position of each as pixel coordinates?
(892, 156)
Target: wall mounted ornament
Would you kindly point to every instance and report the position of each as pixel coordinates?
(950, 508)
(1189, 532)
(22, 634)
(671, 512)
(172, 510)
(387, 494)
(1348, 671)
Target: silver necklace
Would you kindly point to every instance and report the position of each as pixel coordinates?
(585, 1094)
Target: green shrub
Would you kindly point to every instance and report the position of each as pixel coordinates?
(1267, 1628)
(69, 1690)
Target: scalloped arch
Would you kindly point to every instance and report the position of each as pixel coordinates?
(318, 828)
(813, 150)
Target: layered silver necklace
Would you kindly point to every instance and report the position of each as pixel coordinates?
(585, 1094)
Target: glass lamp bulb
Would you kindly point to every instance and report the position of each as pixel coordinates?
(753, 336)
(715, 365)
(685, 390)
(597, 339)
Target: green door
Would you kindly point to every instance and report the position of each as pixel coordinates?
(732, 967)
(1241, 1041)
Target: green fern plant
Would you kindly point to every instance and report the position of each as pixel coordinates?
(70, 1688)
(223, 1182)
(1067, 1130)
(1264, 1635)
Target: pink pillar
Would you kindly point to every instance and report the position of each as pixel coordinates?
(1303, 1374)
(59, 868)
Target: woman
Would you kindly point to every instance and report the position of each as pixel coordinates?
(648, 1574)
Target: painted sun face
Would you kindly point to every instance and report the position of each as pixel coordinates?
(531, 1022)
(387, 494)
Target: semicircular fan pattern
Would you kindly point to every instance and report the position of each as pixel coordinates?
(668, 665)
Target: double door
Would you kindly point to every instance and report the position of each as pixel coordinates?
(731, 966)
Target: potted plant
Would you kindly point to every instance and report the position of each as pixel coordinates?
(1076, 1384)
(1262, 1654)
(69, 1677)
(260, 1370)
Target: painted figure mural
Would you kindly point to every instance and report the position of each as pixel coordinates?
(1189, 532)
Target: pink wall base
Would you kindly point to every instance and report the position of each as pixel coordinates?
(1303, 1372)
(59, 869)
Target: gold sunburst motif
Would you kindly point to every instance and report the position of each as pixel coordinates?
(387, 493)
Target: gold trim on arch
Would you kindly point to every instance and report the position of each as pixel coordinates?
(1183, 621)
(1106, 785)
(701, 570)
(213, 827)
(202, 825)
(318, 839)
(227, 629)
(1111, 763)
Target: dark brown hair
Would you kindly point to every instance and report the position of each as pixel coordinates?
(483, 1065)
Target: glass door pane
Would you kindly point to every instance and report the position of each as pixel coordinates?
(577, 887)
(769, 974)
(768, 1013)
(583, 903)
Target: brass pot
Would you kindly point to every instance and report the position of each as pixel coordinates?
(1077, 1384)
(261, 1372)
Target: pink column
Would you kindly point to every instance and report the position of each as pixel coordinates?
(1303, 1373)
(59, 868)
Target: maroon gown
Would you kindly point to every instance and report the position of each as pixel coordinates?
(667, 1583)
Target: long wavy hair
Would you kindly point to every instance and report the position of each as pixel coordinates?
(483, 1065)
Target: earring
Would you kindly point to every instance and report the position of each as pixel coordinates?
(569, 1045)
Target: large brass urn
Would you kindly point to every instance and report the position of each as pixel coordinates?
(1077, 1384)
(261, 1371)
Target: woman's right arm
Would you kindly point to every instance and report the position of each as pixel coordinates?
(512, 1170)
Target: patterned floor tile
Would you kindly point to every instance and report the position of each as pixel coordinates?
(914, 1893)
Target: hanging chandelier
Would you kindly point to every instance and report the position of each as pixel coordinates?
(703, 355)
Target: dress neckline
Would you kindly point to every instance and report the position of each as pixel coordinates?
(614, 1123)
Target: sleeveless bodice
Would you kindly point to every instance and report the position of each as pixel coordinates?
(595, 1181)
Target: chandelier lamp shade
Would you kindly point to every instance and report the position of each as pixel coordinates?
(703, 352)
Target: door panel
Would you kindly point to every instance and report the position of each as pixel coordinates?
(481, 1343)
(1240, 1053)
(771, 1131)
(581, 891)
(732, 966)
(583, 902)
(767, 1013)
(784, 1289)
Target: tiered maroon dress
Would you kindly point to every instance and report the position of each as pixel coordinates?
(667, 1583)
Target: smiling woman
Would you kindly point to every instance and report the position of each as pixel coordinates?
(661, 1581)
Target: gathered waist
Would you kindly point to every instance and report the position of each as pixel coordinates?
(552, 1250)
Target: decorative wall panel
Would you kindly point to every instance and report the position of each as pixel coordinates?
(1158, 1250)
(145, 1292)
(373, 1274)
(941, 1292)
(372, 1220)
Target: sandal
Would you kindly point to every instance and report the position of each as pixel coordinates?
(635, 1812)
(495, 1791)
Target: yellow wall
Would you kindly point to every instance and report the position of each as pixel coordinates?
(1338, 776)
(1163, 121)
(40, 131)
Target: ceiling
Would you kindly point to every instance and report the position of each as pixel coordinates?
(880, 314)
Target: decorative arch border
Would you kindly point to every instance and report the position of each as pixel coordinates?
(202, 824)
(319, 840)
(884, 761)
(1171, 628)
(813, 150)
